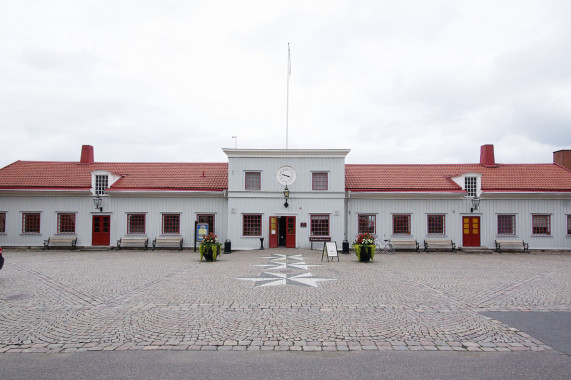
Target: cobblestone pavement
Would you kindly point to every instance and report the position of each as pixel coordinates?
(61, 301)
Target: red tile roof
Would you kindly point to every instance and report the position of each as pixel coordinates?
(39, 175)
(503, 177)
(134, 176)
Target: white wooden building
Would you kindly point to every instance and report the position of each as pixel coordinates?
(244, 200)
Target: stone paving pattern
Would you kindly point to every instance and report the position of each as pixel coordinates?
(61, 301)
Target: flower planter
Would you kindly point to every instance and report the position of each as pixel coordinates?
(209, 252)
(365, 253)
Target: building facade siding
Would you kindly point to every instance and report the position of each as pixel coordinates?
(340, 194)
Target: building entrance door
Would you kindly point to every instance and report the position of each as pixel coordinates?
(282, 231)
(101, 230)
(471, 231)
(290, 232)
(273, 232)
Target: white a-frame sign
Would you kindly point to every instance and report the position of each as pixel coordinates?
(330, 250)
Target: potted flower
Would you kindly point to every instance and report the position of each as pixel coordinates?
(364, 246)
(209, 247)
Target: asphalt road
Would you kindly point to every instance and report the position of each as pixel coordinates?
(285, 365)
(552, 328)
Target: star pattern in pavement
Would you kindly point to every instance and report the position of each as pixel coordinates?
(279, 262)
(276, 279)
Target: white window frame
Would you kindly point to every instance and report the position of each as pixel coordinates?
(514, 224)
(261, 216)
(96, 188)
(22, 222)
(313, 180)
(259, 173)
(443, 233)
(58, 214)
(5, 213)
(550, 225)
(128, 232)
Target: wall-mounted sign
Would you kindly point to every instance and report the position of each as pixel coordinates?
(303, 225)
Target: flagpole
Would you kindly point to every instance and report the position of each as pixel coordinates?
(287, 93)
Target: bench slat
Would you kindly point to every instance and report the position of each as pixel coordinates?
(500, 244)
(133, 241)
(61, 241)
(439, 243)
(405, 243)
(168, 241)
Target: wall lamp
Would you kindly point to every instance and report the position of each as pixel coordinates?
(286, 196)
(475, 204)
(97, 202)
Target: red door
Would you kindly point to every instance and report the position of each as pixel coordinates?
(273, 232)
(101, 234)
(471, 228)
(290, 232)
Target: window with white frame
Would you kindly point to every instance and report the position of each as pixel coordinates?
(136, 223)
(2, 222)
(471, 186)
(31, 223)
(253, 181)
(320, 225)
(506, 224)
(206, 218)
(541, 224)
(367, 223)
(436, 224)
(66, 223)
(252, 225)
(401, 224)
(171, 224)
(319, 181)
(101, 184)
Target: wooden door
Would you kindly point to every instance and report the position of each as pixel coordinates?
(471, 231)
(101, 230)
(273, 232)
(290, 232)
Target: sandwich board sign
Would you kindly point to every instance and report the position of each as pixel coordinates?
(330, 250)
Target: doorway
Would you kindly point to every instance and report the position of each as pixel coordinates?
(282, 231)
(471, 231)
(101, 230)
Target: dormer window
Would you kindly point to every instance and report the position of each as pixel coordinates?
(471, 186)
(101, 181)
(101, 184)
(471, 183)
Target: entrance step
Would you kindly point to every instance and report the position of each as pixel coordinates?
(476, 250)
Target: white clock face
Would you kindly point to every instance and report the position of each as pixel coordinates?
(286, 175)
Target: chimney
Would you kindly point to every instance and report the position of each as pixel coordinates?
(487, 156)
(87, 155)
(562, 158)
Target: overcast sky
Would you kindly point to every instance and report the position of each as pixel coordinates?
(409, 81)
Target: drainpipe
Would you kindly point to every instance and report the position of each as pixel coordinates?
(346, 222)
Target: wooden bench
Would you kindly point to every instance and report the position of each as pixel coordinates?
(439, 244)
(61, 241)
(167, 242)
(133, 242)
(405, 244)
(318, 239)
(511, 244)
